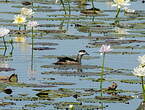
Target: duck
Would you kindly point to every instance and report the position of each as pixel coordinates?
(67, 60)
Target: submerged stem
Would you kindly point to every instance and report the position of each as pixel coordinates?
(143, 89)
(103, 63)
(93, 5)
(19, 27)
(101, 83)
(4, 42)
(11, 42)
(61, 1)
(32, 48)
(69, 7)
(118, 11)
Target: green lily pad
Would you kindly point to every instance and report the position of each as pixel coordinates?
(106, 99)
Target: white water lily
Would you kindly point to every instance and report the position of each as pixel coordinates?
(141, 60)
(128, 10)
(71, 107)
(19, 19)
(139, 71)
(56, 1)
(27, 12)
(4, 32)
(121, 3)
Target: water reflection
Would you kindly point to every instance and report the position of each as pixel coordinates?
(3, 63)
(121, 30)
(109, 3)
(22, 43)
(32, 71)
(141, 106)
(101, 94)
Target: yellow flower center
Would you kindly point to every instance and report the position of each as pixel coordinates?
(120, 1)
(20, 20)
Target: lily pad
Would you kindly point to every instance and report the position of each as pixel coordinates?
(59, 83)
(106, 99)
(43, 48)
(6, 103)
(7, 69)
(26, 98)
(44, 43)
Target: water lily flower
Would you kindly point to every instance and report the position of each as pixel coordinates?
(56, 1)
(141, 60)
(27, 12)
(139, 71)
(128, 10)
(32, 24)
(105, 49)
(71, 107)
(4, 32)
(19, 19)
(121, 3)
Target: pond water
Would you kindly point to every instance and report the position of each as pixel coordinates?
(43, 85)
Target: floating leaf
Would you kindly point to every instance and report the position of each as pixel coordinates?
(43, 48)
(106, 99)
(59, 83)
(7, 69)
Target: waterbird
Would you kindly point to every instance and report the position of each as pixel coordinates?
(26, 3)
(113, 86)
(67, 60)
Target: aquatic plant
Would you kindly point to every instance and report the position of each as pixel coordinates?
(61, 1)
(11, 42)
(3, 33)
(69, 6)
(103, 50)
(56, 1)
(120, 4)
(19, 20)
(71, 107)
(32, 24)
(27, 12)
(140, 72)
(141, 60)
(128, 10)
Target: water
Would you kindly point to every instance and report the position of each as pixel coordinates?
(71, 33)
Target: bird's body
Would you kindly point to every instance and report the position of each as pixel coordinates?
(26, 3)
(70, 61)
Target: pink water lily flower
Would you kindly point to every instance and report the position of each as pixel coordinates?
(33, 24)
(105, 49)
